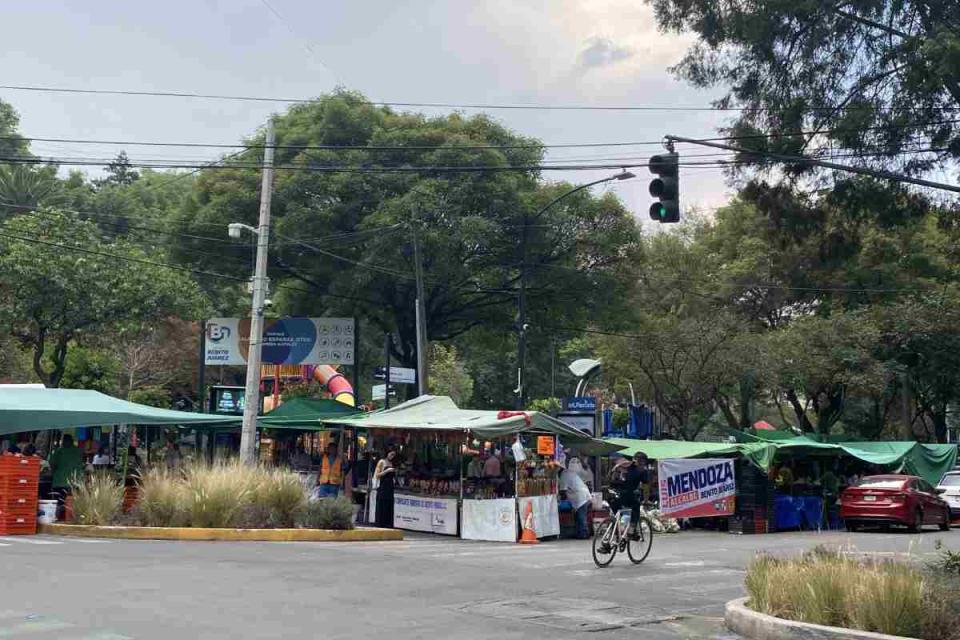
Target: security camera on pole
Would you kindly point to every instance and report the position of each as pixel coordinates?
(248, 432)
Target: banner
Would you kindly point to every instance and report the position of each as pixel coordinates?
(546, 514)
(423, 513)
(285, 341)
(696, 488)
(494, 520)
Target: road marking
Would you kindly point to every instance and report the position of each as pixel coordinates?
(27, 540)
(33, 626)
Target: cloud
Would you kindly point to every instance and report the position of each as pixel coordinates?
(602, 52)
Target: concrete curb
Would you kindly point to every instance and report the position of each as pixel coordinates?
(362, 534)
(760, 626)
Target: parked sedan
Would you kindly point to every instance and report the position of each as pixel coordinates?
(949, 488)
(893, 499)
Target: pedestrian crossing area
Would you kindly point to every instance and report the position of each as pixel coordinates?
(18, 625)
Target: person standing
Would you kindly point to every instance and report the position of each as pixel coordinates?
(66, 465)
(171, 456)
(579, 496)
(331, 473)
(384, 475)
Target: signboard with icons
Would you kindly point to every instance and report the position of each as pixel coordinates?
(285, 341)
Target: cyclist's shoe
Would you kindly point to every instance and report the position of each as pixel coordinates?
(633, 534)
(604, 548)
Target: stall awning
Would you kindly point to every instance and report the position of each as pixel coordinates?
(929, 461)
(42, 409)
(439, 413)
(305, 413)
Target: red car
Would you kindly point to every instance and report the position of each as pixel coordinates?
(893, 499)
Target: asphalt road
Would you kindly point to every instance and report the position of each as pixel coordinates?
(426, 586)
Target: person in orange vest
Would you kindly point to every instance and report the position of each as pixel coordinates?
(332, 469)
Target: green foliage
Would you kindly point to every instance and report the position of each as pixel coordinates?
(448, 375)
(11, 143)
(24, 188)
(153, 395)
(329, 513)
(550, 406)
(53, 297)
(281, 494)
(947, 560)
(836, 590)
(874, 77)
(97, 499)
(162, 501)
(89, 368)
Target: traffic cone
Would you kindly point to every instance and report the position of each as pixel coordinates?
(529, 535)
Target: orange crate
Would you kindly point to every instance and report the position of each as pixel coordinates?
(19, 482)
(16, 461)
(16, 502)
(16, 512)
(19, 529)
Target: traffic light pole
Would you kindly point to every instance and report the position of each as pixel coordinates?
(874, 173)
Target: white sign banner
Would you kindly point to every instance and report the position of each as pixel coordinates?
(546, 514)
(423, 513)
(285, 341)
(697, 488)
(494, 520)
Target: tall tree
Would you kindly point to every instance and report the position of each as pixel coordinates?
(52, 298)
(877, 77)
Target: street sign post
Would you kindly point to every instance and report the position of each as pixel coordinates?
(398, 375)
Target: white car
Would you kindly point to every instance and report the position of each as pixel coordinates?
(949, 490)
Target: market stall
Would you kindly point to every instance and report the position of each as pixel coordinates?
(466, 472)
(785, 481)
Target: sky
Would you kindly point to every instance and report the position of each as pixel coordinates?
(553, 52)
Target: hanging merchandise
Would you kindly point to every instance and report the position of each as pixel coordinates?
(518, 453)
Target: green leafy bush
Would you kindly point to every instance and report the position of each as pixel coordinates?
(97, 500)
(328, 513)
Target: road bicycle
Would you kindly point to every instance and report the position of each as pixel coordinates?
(615, 535)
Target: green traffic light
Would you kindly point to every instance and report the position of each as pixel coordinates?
(662, 212)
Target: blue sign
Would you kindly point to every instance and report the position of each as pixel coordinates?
(585, 404)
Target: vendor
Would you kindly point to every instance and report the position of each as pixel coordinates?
(66, 464)
(579, 496)
(332, 469)
(475, 468)
(492, 467)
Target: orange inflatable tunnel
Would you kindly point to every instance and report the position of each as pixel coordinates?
(338, 386)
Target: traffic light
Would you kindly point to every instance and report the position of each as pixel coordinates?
(665, 187)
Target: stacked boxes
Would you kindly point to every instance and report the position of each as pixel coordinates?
(754, 511)
(19, 494)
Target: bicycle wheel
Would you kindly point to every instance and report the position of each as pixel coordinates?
(604, 548)
(639, 544)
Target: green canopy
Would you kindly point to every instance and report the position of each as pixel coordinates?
(41, 409)
(759, 453)
(439, 413)
(305, 413)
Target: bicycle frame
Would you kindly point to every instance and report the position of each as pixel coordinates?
(621, 525)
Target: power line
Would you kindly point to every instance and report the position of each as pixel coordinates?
(438, 105)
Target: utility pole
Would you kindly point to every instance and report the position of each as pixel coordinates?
(386, 381)
(248, 432)
(421, 317)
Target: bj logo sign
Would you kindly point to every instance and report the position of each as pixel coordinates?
(692, 488)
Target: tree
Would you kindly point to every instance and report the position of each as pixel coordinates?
(12, 145)
(876, 77)
(343, 241)
(53, 297)
(24, 188)
(120, 172)
(448, 375)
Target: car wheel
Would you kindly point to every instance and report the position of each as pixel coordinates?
(945, 524)
(917, 524)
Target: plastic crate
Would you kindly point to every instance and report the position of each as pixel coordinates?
(15, 502)
(28, 528)
(11, 462)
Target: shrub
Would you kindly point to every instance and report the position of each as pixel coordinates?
(97, 500)
(947, 561)
(218, 494)
(328, 513)
(826, 587)
(162, 501)
(280, 496)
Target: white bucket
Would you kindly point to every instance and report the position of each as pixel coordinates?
(48, 512)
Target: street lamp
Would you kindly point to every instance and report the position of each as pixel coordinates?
(522, 325)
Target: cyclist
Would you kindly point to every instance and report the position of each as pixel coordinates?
(627, 477)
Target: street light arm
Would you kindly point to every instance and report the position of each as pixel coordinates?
(619, 176)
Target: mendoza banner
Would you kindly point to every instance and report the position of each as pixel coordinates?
(285, 341)
(696, 488)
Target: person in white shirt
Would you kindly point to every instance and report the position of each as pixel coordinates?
(579, 496)
(102, 459)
